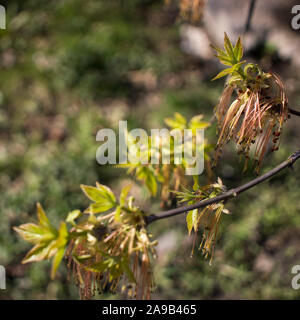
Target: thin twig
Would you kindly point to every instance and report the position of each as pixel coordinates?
(249, 17)
(227, 195)
(294, 112)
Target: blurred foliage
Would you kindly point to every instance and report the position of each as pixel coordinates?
(69, 68)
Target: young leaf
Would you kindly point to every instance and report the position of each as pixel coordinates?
(43, 219)
(62, 235)
(118, 214)
(34, 234)
(59, 245)
(238, 49)
(229, 48)
(99, 207)
(39, 252)
(107, 192)
(197, 123)
(124, 194)
(178, 122)
(56, 261)
(73, 215)
(102, 196)
(223, 73)
(151, 183)
(147, 175)
(98, 194)
(192, 220)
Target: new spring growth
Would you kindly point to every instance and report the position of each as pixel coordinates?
(258, 110)
(106, 243)
(206, 220)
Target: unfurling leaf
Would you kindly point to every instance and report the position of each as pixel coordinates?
(72, 216)
(197, 123)
(178, 122)
(124, 194)
(98, 207)
(192, 220)
(48, 241)
(39, 252)
(56, 261)
(34, 233)
(151, 183)
(43, 219)
(146, 175)
(103, 198)
(223, 73)
(97, 194)
(230, 57)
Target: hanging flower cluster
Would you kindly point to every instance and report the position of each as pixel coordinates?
(109, 243)
(258, 110)
(205, 220)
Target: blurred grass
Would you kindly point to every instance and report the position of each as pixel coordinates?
(69, 68)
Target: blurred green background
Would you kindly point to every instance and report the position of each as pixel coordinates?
(69, 68)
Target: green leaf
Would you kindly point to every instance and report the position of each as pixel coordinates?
(34, 233)
(192, 220)
(102, 196)
(147, 175)
(118, 214)
(232, 55)
(226, 61)
(178, 122)
(223, 73)
(151, 183)
(229, 48)
(92, 193)
(107, 192)
(48, 241)
(124, 194)
(179, 118)
(219, 51)
(43, 220)
(73, 215)
(197, 123)
(99, 207)
(196, 183)
(59, 245)
(56, 261)
(238, 49)
(237, 65)
(39, 252)
(62, 235)
(98, 194)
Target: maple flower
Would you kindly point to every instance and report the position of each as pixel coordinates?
(206, 220)
(259, 108)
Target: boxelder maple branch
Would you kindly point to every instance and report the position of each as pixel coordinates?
(227, 195)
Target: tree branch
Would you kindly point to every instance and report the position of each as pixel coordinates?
(227, 195)
(294, 112)
(249, 17)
